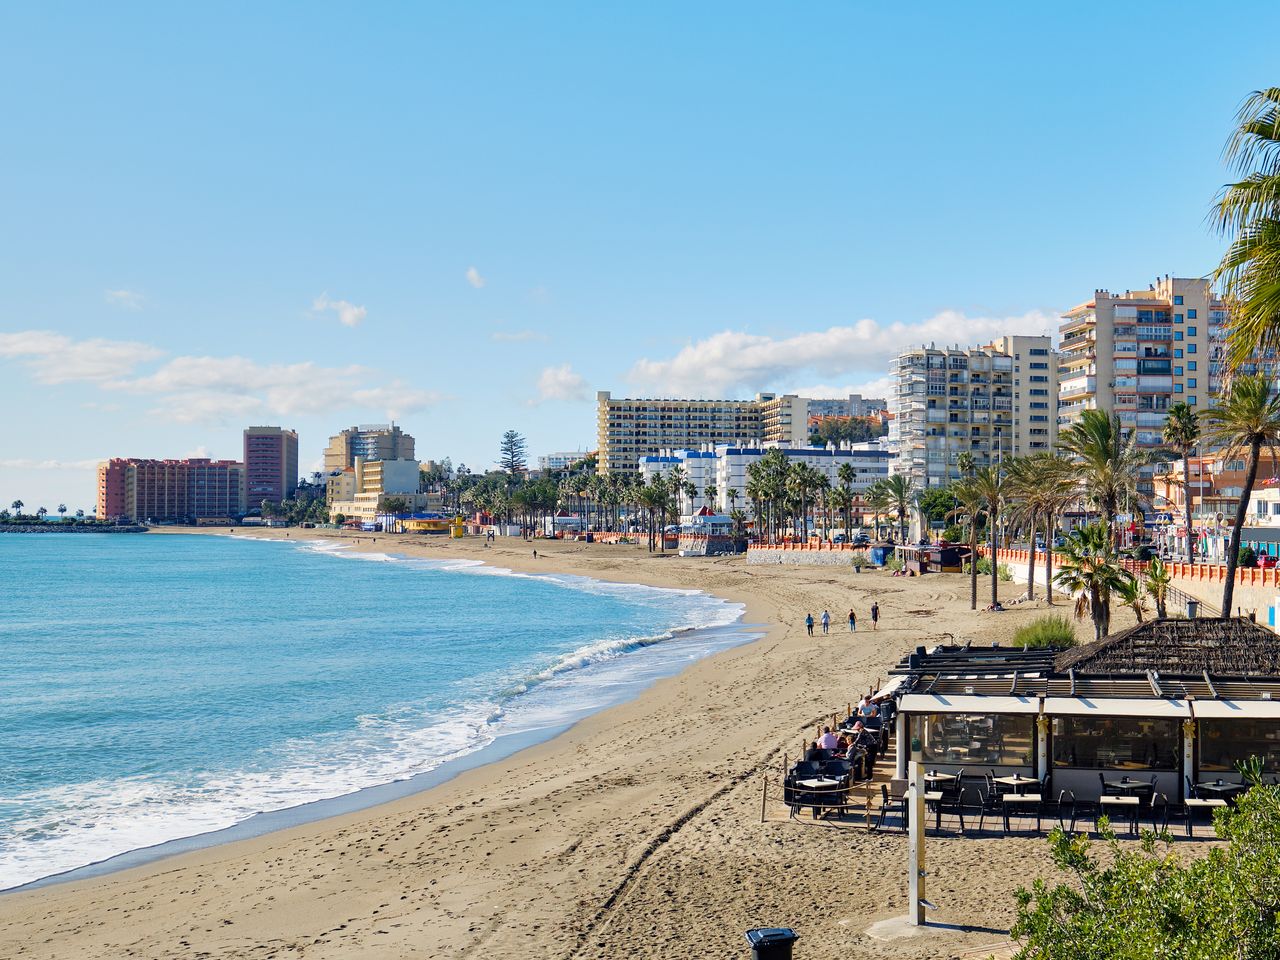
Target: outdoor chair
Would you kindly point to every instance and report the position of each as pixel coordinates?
(949, 801)
(1107, 790)
(990, 804)
(1163, 813)
(1062, 809)
(805, 769)
(892, 807)
(1191, 788)
(837, 769)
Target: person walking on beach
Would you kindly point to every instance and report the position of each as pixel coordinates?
(853, 621)
(535, 554)
(875, 615)
(808, 623)
(826, 622)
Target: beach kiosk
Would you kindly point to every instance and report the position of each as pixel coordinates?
(1174, 704)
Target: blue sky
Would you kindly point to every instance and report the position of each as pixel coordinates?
(471, 217)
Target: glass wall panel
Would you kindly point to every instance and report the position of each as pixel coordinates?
(987, 739)
(1223, 742)
(1116, 743)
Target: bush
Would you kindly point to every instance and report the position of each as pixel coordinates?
(953, 534)
(1050, 631)
(984, 567)
(893, 564)
(1003, 572)
(859, 560)
(1248, 558)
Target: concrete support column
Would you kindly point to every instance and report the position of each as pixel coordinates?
(1042, 747)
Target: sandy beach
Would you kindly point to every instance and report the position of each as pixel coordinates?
(635, 833)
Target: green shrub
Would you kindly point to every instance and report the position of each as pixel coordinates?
(859, 560)
(894, 563)
(1248, 558)
(984, 567)
(1004, 573)
(953, 534)
(1050, 631)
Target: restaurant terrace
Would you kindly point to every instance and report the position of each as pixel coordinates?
(1174, 704)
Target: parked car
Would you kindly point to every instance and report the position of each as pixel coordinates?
(839, 538)
(1142, 552)
(1266, 561)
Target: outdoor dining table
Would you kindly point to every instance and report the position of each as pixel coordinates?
(936, 777)
(1128, 804)
(1017, 781)
(1127, 786)
(1018, 800)
(820, 786)
(1221, 788)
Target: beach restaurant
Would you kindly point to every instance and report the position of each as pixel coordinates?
(1173, 704)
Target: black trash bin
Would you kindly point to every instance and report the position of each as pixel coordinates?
(771, 943)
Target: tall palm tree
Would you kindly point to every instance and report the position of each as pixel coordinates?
(847, 476)
(1036, 486)
(1249, 212)
(1245, 420)
(877, 499)
(990, 484)
(970, 504)
(1182, 433)
(1108, 462)
(17, 506)
(709, 494)
(898, 490)
(1090, 568)
(1131, 594)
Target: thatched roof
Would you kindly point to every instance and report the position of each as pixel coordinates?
(1224, 647)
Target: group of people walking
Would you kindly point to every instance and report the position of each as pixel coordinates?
(825, 620)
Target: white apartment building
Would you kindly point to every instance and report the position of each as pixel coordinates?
(725, 466)
(370, 482)
(628, 429)
(561, 460)
(992, 401)
(855, 405)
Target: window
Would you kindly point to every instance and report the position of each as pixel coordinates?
(1191, 383)
(1191, 400)
(1177, 388)
(1116, 743)
(1039, 366)
(1039, 418)
(1177, 334)
(1177, 301)
(1177, 318)
(1177, 353)
(1038, 393)
(1039, 406)
(1191, 364)
(1191, 348)
(1223, 742)
(1039, 379)
(1177, 371)
(1038, 352)
(1191, 314)
(1191, 331)
(988, 740)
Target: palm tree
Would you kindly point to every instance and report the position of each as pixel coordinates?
(847, 477)
(898, 490)
(1108, 463)
(709, 493)
(877, 499)
(990, 484)
(1131, 595)
(17, 506)
(1181, 433)
(1249, 211)
(970, 503)
(1035, 487)
(1157, 585)
(62, 511)
(41, 513)
(1091, 569)
(1244, 421)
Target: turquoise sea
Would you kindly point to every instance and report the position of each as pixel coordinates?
(158, 687)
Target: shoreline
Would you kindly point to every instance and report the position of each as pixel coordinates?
(503, 745)
(642, 816)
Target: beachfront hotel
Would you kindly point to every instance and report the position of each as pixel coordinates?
(270, 464)
(725, 467)
(993, 401)
(361, 492)
(370, 441)
(628, 429)
(170, 491)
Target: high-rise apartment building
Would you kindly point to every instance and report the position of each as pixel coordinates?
(855, 405)
(1137, 353)
(170, 490)
(371, 441)
(993, 401)
(270, 464)
(628, 429)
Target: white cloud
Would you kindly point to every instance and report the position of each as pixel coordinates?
(129, 299)
(190, 389)
(560, 383)
(349, 314)
(474, 278)
(22, 464)
(54, 358)
(516, 336)
(396, 399)
(736, 360)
